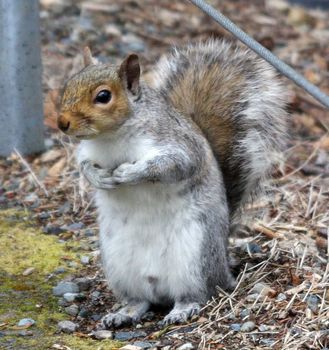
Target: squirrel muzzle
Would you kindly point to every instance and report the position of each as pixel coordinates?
(63, 123)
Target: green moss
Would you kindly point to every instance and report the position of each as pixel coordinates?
(70, 341)
(23, 245)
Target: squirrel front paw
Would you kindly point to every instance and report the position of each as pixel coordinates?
(127, 173)
(98, 177)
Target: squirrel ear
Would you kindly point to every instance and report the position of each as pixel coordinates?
(88, 59)
(129, 73)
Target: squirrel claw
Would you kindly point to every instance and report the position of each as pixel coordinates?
(180, 314)
(96, 176)
(126, 173)
(116, 320)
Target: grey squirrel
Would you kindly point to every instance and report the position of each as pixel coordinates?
(173, 157)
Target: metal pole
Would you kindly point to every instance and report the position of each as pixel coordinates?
(263, 52)
(21, 109)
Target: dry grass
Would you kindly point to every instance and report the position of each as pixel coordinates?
(290, 303)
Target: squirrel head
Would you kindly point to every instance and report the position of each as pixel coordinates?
(97, 100)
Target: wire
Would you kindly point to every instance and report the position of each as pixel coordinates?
(263, 52)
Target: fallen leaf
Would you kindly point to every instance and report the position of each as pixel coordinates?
(57, 168)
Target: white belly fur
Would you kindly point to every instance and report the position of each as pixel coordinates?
(150, 239)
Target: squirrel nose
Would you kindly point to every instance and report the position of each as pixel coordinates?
(63, 124)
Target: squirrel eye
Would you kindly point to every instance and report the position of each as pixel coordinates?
(104, 96)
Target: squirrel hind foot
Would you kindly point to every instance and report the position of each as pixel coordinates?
(129, 314)
(181, 313)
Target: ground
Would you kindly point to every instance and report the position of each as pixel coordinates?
(48, 231)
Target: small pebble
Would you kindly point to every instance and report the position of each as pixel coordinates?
(95, 295)
(125, 336)
(186, 346)
(308, 313)
(111, 29)
(25, 333)
(83, 283)
(72, 310)
(70, 296)
(65, 287)
(44, 215)
(84, 313)
(132, 43)
(32, 197)
(296, 331)
(281, 297)
(262, 288)
(143, 344)
(102, 334)
(89, 233)
(253, 297)
(75, 226)
(313, 302)
(267, 342)
(244, 313)
(26, 322)
(263, 328)
(85, 260)
(253, 248)
(52, 230)
(28, 271)
(96, 317)
(248, 326)
(59, 270)
(62, 302)
(67, 326)
(236, 327)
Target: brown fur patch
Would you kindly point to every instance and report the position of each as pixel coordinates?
(214, 96)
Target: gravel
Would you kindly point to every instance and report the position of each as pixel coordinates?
(281, 297)
(67, 326)
(84, 313)
(313, 302)
(124, 336)
(65, 287)
(262, 288)
(143, 344)
(244, 313)
(25, 333)
(85, 260)
(263, 328)
(83, 283)
(62, 302)
(60, 270)
(236, 327)
(70, 296)
(248, 326)
(72, 310)
(102, 334)
(26, 322)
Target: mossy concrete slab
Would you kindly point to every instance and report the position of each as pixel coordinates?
(23, 246)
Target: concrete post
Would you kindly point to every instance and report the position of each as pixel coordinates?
(21, 109)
